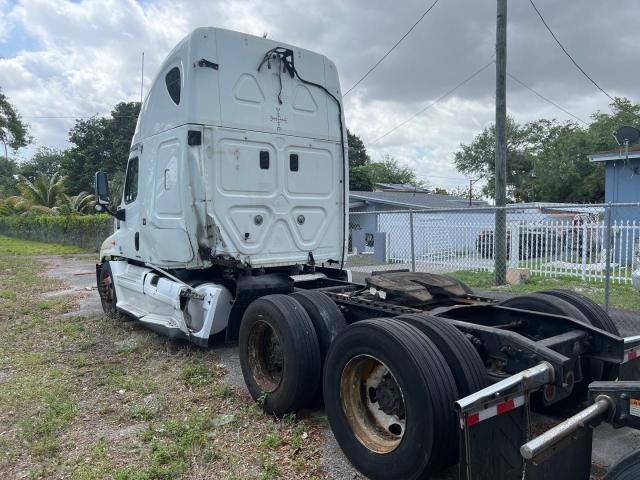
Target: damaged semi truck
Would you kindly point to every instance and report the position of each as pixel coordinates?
(233, 222)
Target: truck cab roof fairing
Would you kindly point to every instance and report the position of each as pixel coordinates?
(236, 95)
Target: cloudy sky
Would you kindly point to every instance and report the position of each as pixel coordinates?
(68, 59)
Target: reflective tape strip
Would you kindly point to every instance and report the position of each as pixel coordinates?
(499, 409)
(631, 354)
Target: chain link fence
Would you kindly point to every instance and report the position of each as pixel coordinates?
(593, 249)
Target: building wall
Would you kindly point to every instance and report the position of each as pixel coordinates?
(368, 223)
(622, 185)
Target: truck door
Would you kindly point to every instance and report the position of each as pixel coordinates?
(169, 240)
(130, 226)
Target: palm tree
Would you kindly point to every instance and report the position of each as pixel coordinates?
(13, 205)
(44, 192)
(81, 203)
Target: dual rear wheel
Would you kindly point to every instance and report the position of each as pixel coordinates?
(389, 385)
(283, 341)
(389, 392)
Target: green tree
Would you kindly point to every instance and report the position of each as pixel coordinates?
(546, 159)
(13, 131)
(478, 159)
(44, 193)
(359, 176)
(14, 205)
(99, 143)
(81, 203)
(360, 179)
(8, 170)
(358, 156)
(390, 171)
(46, 161)
(364, 174)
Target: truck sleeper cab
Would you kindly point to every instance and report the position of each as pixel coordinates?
(237, 168)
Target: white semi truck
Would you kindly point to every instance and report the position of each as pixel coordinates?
(233, 222)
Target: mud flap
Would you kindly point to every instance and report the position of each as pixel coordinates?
(629, 369)
(569, 459)
(491, 440)
(494, 424)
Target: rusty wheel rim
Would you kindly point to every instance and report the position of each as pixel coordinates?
(373, 403)
(266, 359)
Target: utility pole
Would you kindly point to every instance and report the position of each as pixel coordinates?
(471, 182)
(500, 253)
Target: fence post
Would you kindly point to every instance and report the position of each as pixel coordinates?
(584, 251)
(607, 272)
(413, 243)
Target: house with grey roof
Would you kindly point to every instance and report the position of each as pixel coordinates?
(365, 218)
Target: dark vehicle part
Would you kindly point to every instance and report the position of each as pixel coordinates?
(628, 468)
(466, 365)
(596, 315)
(249, 288)
(617, 403)
(539, 302)
(389, 396)
(494, 423)
(463, 359)
(553, 399)
(415, 288)
(106, 288)
(279, 354)
(327, 318)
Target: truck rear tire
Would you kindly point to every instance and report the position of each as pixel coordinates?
(466, 365)
(591, 369)
(107, 290)
(389, 396)
(628, 468)
(540, 302)
(596, 316)
(325, 315)
(463, 359)
(279, 354)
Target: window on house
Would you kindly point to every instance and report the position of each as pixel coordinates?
(131, 181)
(173, 84)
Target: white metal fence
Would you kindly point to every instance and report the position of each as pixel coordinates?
(580, 241)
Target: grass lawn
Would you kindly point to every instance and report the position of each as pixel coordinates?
(622, 296)
(100, 397)
(15, 246)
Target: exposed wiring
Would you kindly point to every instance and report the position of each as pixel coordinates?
(287, 61)
(436, 101)
(391, 49)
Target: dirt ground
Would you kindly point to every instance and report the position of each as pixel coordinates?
(97, 440)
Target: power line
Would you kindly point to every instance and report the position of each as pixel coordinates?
(391, 49)
(567, 53)
(546, 99)
(437, 100)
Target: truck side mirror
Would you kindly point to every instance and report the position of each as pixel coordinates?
(102, 189)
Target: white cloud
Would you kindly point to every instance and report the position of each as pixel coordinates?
(81, 58)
